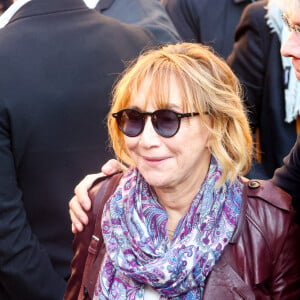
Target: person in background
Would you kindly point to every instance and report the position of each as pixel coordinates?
(58, 64)
(272, 91)
(149, 14)
(210, 22)
(288, 176)
(182, 223)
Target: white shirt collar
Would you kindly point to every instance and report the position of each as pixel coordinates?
(91, 3)
(11, 11)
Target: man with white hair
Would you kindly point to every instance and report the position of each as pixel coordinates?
(288, 176)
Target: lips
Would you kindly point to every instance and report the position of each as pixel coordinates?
(154, 161)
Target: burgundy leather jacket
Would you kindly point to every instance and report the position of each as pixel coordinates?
(262, 260)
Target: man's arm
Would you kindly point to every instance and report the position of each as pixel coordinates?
(81, 202)
(288, 176)
(26, 271)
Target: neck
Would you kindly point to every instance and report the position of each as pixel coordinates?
(177, 200)
(176, 204)
(179, 197)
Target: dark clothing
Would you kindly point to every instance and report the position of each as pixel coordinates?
(59, 60)
(256, 60)
(149, 14)
(261, 261)
(288, 176)
(211, 22)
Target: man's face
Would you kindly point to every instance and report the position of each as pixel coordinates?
(291, 47)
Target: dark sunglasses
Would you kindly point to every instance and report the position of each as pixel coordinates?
(166, 122)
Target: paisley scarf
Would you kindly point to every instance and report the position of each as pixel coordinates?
(139, 252)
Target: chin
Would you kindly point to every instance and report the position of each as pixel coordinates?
(155, 181)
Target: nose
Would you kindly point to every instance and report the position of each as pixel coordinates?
(291, 47)
(149, 137)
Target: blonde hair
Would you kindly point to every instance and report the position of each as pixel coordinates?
(206, 84)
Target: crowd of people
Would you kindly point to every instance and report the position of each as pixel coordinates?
(198, 103)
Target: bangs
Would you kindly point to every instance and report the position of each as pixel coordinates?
(155, 80)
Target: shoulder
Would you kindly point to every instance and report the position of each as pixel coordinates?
(267, 212)
(256, 9)
(267, 191)
(254, 14)
(266, 216)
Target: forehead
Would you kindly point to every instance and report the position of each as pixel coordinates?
(292, 11)
(149, 94)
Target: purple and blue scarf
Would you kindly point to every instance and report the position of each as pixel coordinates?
(139, 252)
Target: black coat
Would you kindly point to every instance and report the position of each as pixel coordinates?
(149, 14)
(211, 22)
(288, 176)
(256, 60)
(58, 61)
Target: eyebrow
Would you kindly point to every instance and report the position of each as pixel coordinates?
(286, 16)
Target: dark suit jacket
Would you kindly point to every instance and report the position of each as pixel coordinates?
(256, 60)
(59, 60)
(288, 176)
(149, 14)
(211, 22)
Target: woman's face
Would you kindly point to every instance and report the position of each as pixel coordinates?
(169, 162)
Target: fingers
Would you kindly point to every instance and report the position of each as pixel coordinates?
(112, 166)
(81, 190)
(77, 215)
(81, 202)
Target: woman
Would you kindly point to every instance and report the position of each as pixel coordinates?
(182, 224)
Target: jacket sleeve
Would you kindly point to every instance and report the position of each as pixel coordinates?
(288, 176)
(25, 268)
(286, 273)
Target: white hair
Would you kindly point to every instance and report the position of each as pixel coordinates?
(287, 5)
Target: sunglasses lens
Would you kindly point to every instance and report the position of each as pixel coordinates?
(131, 122)
(165, 122)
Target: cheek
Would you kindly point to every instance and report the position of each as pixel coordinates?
(131, 143)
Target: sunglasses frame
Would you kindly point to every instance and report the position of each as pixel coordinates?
(153, 115)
